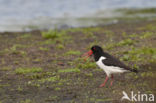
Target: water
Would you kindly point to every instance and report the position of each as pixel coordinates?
(25, 15)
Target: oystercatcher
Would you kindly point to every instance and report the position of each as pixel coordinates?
(108, 63)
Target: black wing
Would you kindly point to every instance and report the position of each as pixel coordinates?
(112, 61)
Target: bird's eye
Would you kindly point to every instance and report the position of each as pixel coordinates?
(94, 48)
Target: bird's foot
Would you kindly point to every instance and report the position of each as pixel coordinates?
(111, 83)
(102, 85)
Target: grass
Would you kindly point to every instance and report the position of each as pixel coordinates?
(23, 36)
(60, 46)
(49, 79)
(28, 70)
(6, 68)
(73, 52)
(137, 11)
(125, 42)
(44, 49)
(69, 70)
(56, 37)
(26, 101)
(146, 35)
(51, 34)
(140, 54)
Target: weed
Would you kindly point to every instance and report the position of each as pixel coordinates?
(86, 65)
(49, 79)
(126, 42)
(52, 98)
(55, 36)
(146, 35)
(26, 101)
(69, 70)
(25, 36)
(19, 88)
(89, 74)
(6, 68)
(44, 49)
(72, 52)
(28, 70)
(60, 46)
(51, 34)
(57, 88)
(136, 54)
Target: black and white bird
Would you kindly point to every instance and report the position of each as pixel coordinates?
(108, 63)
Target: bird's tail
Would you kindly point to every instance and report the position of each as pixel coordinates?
(134, 70)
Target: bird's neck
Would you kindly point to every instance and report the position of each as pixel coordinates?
(97, 56)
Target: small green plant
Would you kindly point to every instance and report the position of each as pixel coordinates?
(146, 35)
(57, 88)
(49, 79)
(6, 68)
(72, 52)
(51, 34)
(44, 49)
(25, 36)
(60, 46)
(26, 101)
(28, 70)
(19, 88)
(69, 70)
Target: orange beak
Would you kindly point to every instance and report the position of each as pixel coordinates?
(86, 55)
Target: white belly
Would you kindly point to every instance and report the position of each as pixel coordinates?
(109, 69)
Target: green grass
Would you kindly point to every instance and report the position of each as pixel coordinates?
(44, 49)
(60, 46)
(49, 79)
(125, 42)
(138, 11)
(69, 70)
(73, 52)
(26, 101)
(28, 70)
(51, 34)
(25, 36)
(6, 68)
(140, 54)
(149, 27)
(146, 35)
(55, 36)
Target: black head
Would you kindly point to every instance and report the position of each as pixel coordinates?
(97, 52)
(96, 49)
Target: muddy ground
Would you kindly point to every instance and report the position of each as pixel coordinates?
(47, 67)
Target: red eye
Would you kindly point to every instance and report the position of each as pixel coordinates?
(94, 48)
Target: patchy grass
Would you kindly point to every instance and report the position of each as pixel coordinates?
(51, 34)
(73, 52)
(141, 54)
(6, 68)
(26, 101)
(28, 70)
(44, 49)
(146, 35)
(60, 46)
(69, 70)
(126, 42)
(49, 79)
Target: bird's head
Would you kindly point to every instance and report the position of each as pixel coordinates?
(94, 50)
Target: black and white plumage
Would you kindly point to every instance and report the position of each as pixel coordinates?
(108, 63)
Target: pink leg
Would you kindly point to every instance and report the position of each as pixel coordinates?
(112, 80)
(102, 85)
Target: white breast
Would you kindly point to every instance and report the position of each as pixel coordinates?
(109, 69)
